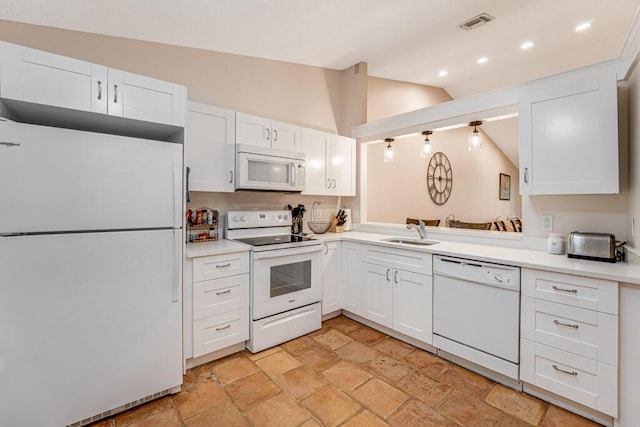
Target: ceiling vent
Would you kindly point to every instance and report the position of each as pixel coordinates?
(476, 21)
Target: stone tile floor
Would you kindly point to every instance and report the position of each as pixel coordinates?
(345, 374)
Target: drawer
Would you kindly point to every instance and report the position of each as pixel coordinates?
(216, 266)
(585, 292)
(418, 262)
(586, 381)
(221, 331)
(580, 331)
(218, 296)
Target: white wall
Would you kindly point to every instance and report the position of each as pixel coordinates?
(399, 190)
(304, 95)
(634, 155)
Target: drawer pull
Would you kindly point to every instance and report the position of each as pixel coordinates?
(223, 265)
(228, 291)
(558, 323)
(572, 373)
(570, 291)
(223, 328)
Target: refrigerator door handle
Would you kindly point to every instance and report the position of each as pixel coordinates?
(188, 195)
(177, 266)
(177, 191)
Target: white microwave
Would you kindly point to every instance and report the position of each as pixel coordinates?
(263, 168)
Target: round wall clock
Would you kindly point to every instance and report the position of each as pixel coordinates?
(439, 178)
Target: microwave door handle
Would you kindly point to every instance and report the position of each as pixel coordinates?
(293, 173)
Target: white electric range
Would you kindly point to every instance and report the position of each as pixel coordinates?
(285, 279)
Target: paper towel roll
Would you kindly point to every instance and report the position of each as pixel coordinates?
(347, 224)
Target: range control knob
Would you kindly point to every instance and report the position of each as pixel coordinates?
(235, 219)
(243, 218)
(498, 278)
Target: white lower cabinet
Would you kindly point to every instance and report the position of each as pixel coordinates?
(352, 277)
(378, 304)
(412, 305)
(392, 287)
(331, 284)
(569, 337)
(216, 312)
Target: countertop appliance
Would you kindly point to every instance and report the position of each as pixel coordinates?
(90, 274)
(285, 277)
(264, 168)
(593, 246)
(476, 314)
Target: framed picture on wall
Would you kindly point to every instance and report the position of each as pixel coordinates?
(505, 187)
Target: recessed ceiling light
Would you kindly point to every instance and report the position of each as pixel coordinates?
(526, 45)
(482, 60)
(584, 26)
(443, 73)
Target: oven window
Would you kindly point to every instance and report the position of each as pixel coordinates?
(261, 171)
(290, 278)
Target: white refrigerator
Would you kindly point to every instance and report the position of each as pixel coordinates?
(90, 273)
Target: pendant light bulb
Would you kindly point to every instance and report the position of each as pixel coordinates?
(425, 153)
(388, 152)
(475, 137)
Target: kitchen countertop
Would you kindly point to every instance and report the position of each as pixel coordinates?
(619, 271)
(217, 247)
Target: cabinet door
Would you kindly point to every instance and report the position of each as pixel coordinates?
(45, 78)
(378, 293)
(285, 137)
(210, 149)
(569, 135)
(352, 277)
(141, 98)
(341, 164)
(331, 300)
(412, 304)
(314, 145)
(253, 130)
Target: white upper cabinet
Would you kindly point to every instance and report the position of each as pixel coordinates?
(254, 130)
(44, 78)
(330, 163)
(341, 162)
(569, 135)
(209, 148)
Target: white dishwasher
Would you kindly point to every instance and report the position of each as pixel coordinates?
(476, 312)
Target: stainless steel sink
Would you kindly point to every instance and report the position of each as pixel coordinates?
(407, 241)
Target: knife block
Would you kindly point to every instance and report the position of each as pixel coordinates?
(334, 228)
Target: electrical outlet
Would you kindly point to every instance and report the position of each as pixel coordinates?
(546, 222)
(318, 213)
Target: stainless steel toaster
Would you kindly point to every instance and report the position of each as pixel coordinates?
(594, 246)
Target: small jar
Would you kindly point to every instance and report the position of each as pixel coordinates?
(555, 244)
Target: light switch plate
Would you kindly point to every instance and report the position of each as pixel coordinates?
(546, 222)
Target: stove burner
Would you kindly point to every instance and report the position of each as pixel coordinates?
(274, 240)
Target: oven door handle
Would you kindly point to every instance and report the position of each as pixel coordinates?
(278, 253)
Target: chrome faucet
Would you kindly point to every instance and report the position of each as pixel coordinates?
(422, 231)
